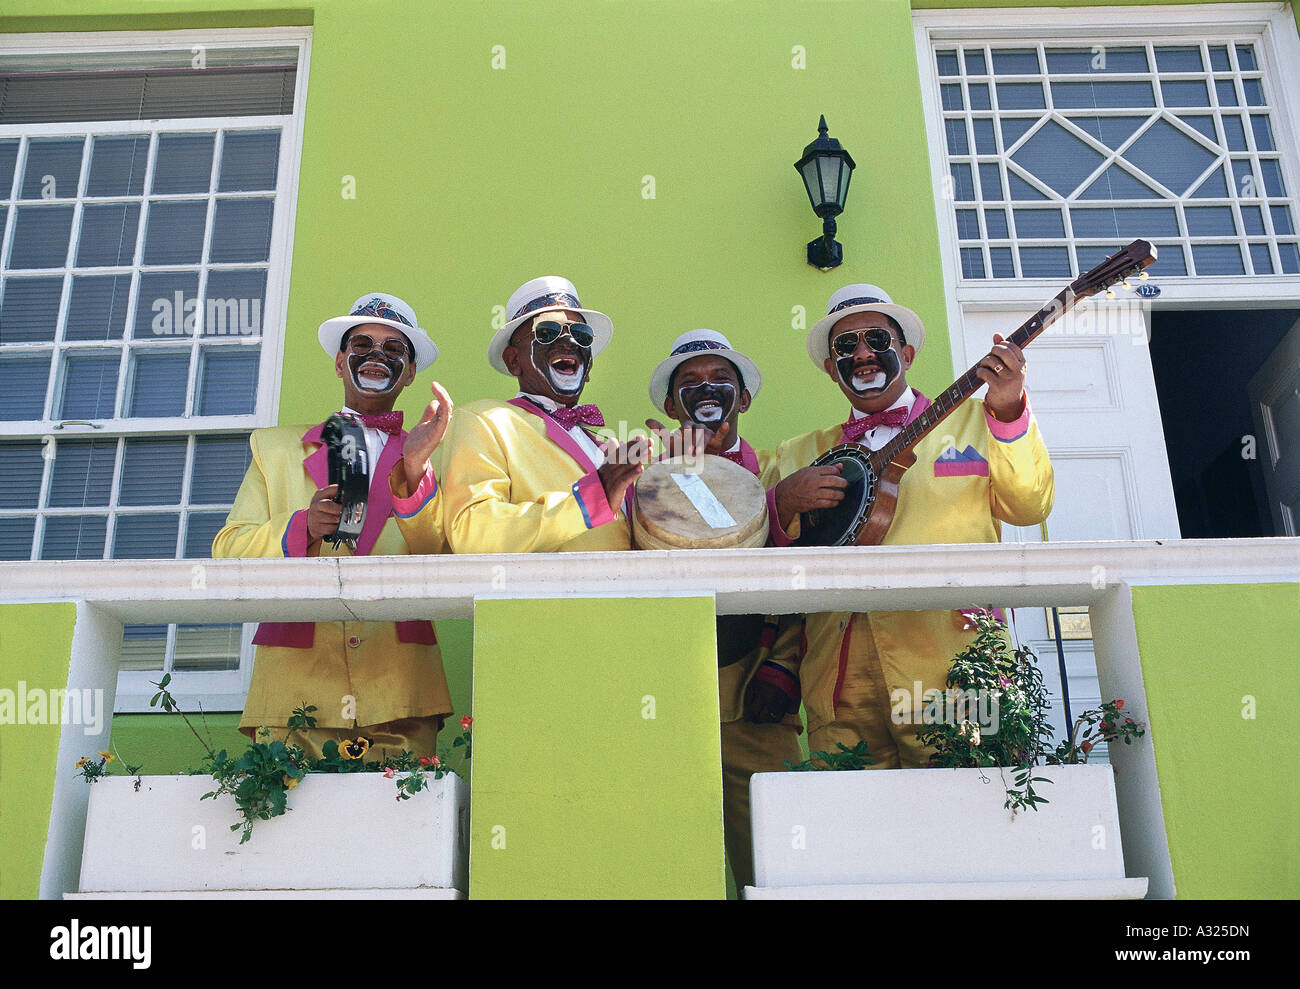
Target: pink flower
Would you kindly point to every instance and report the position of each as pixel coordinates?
(1118, 705)
(465, 722)
(388, 772)
(425, 761)
(435, 761)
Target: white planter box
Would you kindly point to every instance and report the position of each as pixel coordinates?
(342, 833)
(936, 833)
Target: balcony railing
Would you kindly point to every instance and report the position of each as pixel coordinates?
(1099, 575)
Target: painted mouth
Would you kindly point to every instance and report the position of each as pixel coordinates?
(564, 364)
(708, 411)
(868, 376)
(374, 376)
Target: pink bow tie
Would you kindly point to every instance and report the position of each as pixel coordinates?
(855, 429)
(388, 422)
(735, 456)
(587, 415)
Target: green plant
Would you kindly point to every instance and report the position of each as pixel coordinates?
(846, 758)
(1017, 742)
(92, 770)
(259, 780)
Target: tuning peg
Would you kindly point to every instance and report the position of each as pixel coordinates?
(1126, 286)
(1143, 277)
(1110, 293)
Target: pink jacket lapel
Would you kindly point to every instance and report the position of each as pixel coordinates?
(380, 504)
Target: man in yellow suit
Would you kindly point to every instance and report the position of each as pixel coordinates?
(531, 475)
(705, 383)
(985, 465)
(380, 680)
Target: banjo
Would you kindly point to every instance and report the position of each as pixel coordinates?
(867, 511)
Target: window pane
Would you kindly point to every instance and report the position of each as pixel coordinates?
(97, 310)
(117, 166)
(1039, 223)
(1281, 220)
(175, 232)
(1246, 58)
(1185, 93)
(956, 133)
(8, 158)
(963, 184)
(1100, 95)
(1015, 61)
(1110, 131)
(975, 64)
(1219, 58)
(152, 471)
(1098, 58)
(1044, 262)
(89, 385)
(1058, 158)
(23, 381)
(108, 234)
(947, 63)
(1254, 91)
(1234, 132)
(951, 95)
(979, 96)
(227, 381)
(1204, 125)
(83, 473)
(1003, 266)
(219, 466)
(184, 163)
(985, 141)
(1260, 258)
(16, 538)
(146, 537)
(202, 528)
(74, 537)
(1290, 255)
(53, 168)
(1218, 259)
(1020, 96)
(234, 302)
(41, 235)
(24, 466)
(968, 224)
(1215, 186)
(1210, 221)
(1186, 59)
(158, 385)
(1170, 157)
(1271, 169)
(29, 310)
(1252, 218)
(241, 230)
(972, 262)
(1135, 222)
(207, 647)
(1263, 133)
(990, 182)
(249, 161)
(1171, 261)
(1226, 90)
(143, 647)
(995, 223)
(167, 304)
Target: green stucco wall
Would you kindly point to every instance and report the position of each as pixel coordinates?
(1219, 664)
(35, 644)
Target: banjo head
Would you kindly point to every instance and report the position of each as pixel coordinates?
(839, 526)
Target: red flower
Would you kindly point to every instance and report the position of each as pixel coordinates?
(465, 722)
(1119, 704)
(388, 772)
(425, 761)
(1087, 747)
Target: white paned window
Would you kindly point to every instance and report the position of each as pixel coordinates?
(146, 197)
(1059, 149)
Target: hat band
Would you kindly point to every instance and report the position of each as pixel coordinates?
(377, 307)
(864, 301)
(694, 345)
(551, 300)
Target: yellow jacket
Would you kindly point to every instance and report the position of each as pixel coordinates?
(971, 474)
(515, 482)
(390, 670)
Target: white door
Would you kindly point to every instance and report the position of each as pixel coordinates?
(1275, 404)
(1094, 395)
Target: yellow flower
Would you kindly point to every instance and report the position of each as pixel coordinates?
(81, 763)
(354, 749)
(290, 781)
(108, 756)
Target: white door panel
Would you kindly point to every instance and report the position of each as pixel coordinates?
(1275, 404)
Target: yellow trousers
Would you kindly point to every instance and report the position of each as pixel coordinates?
(419, 736)
(748, 749)
(863, 708)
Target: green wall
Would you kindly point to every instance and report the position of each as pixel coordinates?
(1219, 668)
(35, 644)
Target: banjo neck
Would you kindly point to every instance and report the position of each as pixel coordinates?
(1138, 256)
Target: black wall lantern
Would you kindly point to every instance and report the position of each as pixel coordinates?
(825, 169)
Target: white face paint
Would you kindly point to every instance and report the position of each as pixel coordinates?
(373, 372)
(566, 370)
(707, 403)
(864, 382)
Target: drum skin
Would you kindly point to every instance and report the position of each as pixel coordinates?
(663, 516)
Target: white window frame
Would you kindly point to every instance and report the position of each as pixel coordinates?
(215, 690)
(1269, 25)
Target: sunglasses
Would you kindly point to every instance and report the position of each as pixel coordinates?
(548, 331)
(396, 349)
(877, 337)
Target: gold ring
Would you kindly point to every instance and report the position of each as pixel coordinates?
(998, 368)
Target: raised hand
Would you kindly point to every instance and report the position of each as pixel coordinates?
(425, 436)
(1003, 370)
